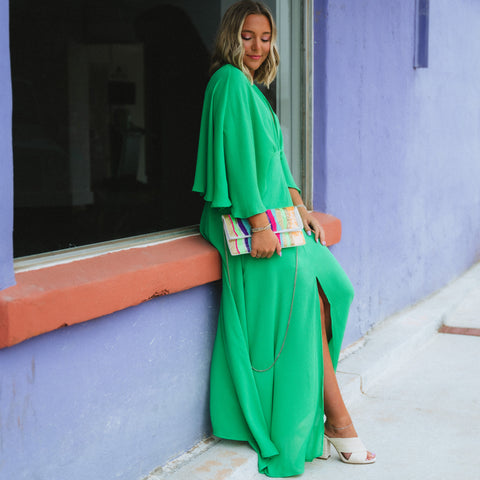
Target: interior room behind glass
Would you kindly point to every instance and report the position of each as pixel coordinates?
(107, 100)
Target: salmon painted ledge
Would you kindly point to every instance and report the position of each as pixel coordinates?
(58, 296)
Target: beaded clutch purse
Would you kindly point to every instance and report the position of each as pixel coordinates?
(286, 224)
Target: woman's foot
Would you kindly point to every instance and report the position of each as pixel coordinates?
(345, 431)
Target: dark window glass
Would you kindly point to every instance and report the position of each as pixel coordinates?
(107, 98)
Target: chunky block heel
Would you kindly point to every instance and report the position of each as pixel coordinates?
(326, 449)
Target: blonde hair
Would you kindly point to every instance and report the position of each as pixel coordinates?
(229, 47)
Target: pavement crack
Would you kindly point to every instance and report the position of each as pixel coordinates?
(362, 391)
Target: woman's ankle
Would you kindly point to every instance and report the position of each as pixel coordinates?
(338, 421)
(340, 427)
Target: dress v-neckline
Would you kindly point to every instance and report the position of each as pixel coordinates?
(269, 108)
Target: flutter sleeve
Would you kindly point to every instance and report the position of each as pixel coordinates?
(287, 173)
(226, 173)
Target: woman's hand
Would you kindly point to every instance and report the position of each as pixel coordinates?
(310, 223)
(265, 244)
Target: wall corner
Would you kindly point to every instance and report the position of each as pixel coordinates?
(7, 277)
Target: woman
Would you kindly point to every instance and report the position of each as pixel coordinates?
(283, 311)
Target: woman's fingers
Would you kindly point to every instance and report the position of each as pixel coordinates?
(319, 233)
(265, 244)
(306, 227)
(323, 239)
(267, 254)
(312, 224)
(316, 228)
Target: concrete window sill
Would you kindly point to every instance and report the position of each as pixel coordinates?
(53, 297)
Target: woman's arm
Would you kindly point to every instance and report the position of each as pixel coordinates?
(309, 221)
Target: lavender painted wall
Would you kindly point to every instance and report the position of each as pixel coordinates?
(402, 148)
(112, 398)
(396, 158)
(6, 178)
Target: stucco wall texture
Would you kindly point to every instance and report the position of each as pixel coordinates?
(398, 161)
(112, 398)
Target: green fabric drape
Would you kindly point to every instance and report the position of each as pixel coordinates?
(242, 169)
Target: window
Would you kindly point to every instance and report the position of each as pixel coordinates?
(107, 98)
(421, 33)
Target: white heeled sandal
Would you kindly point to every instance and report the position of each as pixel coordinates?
(354, 446)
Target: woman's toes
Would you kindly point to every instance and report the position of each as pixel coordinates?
(370, 455)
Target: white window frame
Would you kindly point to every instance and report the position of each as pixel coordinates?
(294, 89)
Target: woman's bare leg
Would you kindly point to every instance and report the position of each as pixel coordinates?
(335, 409)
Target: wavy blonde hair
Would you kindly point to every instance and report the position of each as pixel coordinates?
(229, 46)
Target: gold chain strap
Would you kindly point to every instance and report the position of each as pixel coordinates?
(291, 305)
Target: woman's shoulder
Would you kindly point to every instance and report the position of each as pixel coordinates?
(229, 75)
(229, 90)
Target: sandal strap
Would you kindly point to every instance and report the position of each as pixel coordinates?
(347, 445)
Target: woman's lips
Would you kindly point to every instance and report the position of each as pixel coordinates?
(255, 57)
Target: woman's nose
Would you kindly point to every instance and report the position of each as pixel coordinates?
(256, 44)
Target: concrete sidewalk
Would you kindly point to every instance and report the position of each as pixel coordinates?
(414, 395)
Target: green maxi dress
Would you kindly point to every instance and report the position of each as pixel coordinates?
(242, 170)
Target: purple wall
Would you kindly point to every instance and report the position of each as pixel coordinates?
(6, 178)
(110, 398)
(401, 148)
(396, 158)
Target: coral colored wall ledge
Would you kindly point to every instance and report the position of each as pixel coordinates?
(54, 297)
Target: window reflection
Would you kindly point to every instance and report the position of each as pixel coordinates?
(107, 100)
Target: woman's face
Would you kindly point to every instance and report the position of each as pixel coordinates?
(256, 37)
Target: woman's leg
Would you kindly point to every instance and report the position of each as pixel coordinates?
(338, 423)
